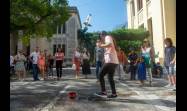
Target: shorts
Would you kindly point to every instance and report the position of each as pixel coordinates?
(170, 70)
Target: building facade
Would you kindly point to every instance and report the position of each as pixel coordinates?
(156, 16)
(65, 38)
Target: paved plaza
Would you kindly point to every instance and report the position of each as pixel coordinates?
(52, 95)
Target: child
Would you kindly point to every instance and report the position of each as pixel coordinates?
(170, 61)
(133, 57)
(141, 70)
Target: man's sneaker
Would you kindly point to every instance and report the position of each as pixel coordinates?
(101, 94)
(112, 96)
(173, 87)
(169, 85)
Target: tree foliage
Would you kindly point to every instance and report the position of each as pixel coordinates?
(127, 45)
(87, 40)
(37, 17)
(129, 34)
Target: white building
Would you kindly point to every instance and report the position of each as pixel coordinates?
(65, 37)
(158, 17)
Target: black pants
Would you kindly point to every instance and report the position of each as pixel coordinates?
(59, 68)
(108, 68)
(50, 70)
(133, 72)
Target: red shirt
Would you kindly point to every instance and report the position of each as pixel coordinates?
(59, 56)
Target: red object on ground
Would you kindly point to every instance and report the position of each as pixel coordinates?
(72, 95)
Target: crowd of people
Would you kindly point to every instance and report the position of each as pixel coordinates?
(109, 59)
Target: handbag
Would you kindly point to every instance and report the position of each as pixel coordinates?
(74, 66)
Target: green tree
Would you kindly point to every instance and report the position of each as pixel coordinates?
(87, 40)
(129, 34)
(126, 45)
(37, 17)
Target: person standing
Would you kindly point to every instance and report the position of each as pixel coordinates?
(76, 61)
(46, 62)
(133, 66)
(122, 61)
(99, 55)
(11, 65)
(20, 66)
(59, 55)
(85, 63)
(148, 54)
(110, 64)
(170, 61)
(34, 58)
(41, 65)
(50, 65)
(141, 68)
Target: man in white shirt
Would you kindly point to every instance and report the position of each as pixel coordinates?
(34, 58)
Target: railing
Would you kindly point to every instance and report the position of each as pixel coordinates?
(149, 9)
(140, 16)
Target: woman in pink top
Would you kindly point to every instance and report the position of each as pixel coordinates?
(59, 55)
(110, 64)
(41, 64)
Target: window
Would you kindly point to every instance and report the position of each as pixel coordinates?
(139, 4)
(59, 45)
(64, 28)
(64, 49)
(59, 29)
(54, 49)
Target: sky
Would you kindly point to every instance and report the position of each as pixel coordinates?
(106, 14)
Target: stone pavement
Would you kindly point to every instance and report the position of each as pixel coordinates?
(51, 95)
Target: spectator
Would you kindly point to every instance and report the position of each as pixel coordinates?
(50, 65)
(122, 61)
(59, 55)
(34, 58)
(133, 66)
(76, 61)
(169, 62)
(85, 63)
(41, 64)
(20, 66)
(148, 54)
(99, 55)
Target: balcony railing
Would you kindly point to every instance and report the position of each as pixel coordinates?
(149, 9)
(140, 16)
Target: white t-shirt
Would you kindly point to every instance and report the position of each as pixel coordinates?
(11, 61)
(110, 55)
(34, 56)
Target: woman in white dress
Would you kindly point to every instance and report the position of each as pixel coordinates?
(20, 67)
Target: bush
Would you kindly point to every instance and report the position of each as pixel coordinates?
(127, 44)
